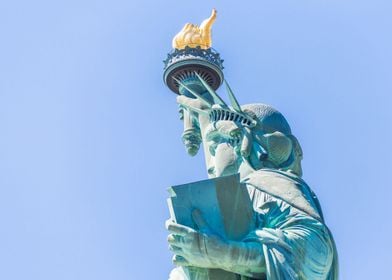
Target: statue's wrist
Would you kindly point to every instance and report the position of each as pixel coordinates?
(247, 254)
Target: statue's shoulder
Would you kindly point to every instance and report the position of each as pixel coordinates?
(275, 177)
(287, 187)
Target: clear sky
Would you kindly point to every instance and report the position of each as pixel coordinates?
(90, 135)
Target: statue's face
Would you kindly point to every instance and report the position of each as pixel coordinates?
(224, 142)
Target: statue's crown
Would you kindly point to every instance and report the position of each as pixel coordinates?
(218, 109)
(228, 114)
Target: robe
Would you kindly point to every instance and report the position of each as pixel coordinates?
(290, 226)
(297, 245)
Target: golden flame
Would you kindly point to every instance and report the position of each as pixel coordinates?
(194, 36)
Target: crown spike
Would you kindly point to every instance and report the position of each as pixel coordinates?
(233, 100)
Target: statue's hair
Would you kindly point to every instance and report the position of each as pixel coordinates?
(270, 120)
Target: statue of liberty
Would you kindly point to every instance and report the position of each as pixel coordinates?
(288, 238)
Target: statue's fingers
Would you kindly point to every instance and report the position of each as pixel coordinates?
(167, 222)
(176, 250)
(178, 229)
(200, 221)
(175, 239)
(185, 101)
(180, 261)
(192, 104)
(184, 242)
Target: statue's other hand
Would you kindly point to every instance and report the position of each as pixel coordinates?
(192, 104)
(200, 248)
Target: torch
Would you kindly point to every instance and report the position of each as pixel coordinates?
(192, 66)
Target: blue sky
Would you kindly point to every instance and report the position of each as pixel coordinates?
(90, 135)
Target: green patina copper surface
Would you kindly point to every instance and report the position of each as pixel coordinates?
(286, 236)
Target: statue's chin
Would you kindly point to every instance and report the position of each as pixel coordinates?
(228, 170)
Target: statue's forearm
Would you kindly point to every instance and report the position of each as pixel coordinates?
(245, 258)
